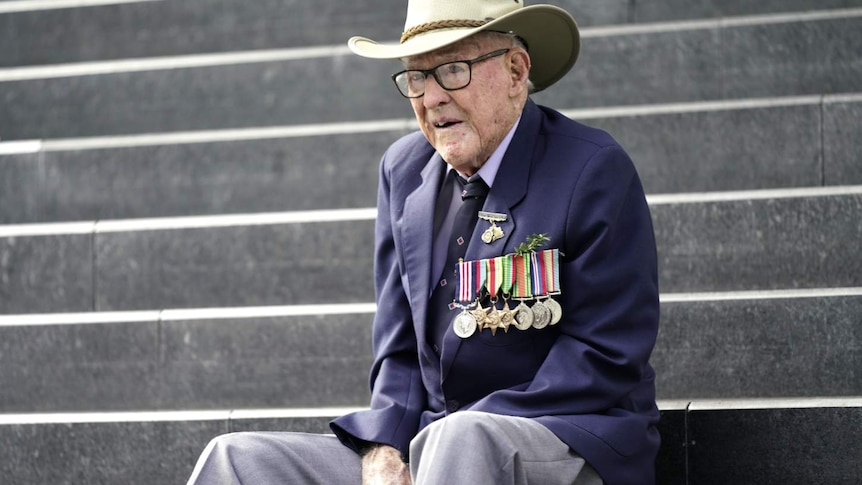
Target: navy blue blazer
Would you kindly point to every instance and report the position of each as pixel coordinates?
(586, 378)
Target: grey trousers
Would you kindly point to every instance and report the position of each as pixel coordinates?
(465, 447)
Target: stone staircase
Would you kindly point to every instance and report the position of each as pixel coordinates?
(186, 224)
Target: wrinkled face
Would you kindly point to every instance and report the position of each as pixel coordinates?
(465, 126)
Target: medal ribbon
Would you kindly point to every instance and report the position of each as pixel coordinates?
(465, 281)
(508, 276)
(551, 258)
(495, 275)
(539, 287)
(522, 287)
(480, 269)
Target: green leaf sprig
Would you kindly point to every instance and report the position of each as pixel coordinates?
(534, 241)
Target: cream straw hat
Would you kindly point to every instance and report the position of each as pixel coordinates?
(550, 32)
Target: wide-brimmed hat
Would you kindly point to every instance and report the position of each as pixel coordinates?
(550, 32)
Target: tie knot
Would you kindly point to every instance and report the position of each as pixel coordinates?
(474, 188)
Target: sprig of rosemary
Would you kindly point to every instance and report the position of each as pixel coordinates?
(534, 241)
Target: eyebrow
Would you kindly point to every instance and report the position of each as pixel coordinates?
(445, 58)
(439, 60)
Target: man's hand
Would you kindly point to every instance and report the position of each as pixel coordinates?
(383, 466)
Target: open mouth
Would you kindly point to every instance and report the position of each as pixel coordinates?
(445, 124)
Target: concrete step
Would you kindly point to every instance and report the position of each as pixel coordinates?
(247, 357)
(59, 181)
(821, 53)
(130, 448)
(710, 346)
(261, 259)
(759, 344)
(728, 145)
(762, 438)
(758, 240)
(732, 58)
(700, 438)
(667, 10)
(720, 241)
(146, 29)
(739, 144)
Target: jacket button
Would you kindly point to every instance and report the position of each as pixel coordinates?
(436, 349)
(452, 405)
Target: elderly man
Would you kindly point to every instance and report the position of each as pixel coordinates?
(516, 282)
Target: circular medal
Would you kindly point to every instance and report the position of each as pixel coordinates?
(492, 234)
(464, 324)
(523, 317)
(556, 310)
(488, 236)
(541, 315)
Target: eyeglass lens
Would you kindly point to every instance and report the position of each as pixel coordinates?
(454, 75)
(450, 76)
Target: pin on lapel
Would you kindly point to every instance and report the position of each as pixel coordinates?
(494, 232)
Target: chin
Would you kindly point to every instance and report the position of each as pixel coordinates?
(457, 158)
(455, 161)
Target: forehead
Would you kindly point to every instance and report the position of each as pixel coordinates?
(461, 50)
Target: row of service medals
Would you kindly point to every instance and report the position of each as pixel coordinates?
(531, 277)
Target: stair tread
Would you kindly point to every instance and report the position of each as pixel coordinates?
(674, 66)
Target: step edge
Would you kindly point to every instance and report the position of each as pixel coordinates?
(367, 308)
(370, 213)
(36, 5)
(15, 147)
(113, 417)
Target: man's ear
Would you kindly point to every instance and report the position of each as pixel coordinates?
(519, 70)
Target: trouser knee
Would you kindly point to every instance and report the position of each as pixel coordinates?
(462, 427)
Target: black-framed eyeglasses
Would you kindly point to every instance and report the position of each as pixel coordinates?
(451, 76)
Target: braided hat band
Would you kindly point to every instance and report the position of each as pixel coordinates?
(440, 24)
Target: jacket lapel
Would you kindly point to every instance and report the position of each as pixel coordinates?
(417, 238)
(510, 187)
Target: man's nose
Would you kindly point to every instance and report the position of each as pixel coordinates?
(435, 95)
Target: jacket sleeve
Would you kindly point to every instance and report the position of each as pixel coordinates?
(397, 394)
